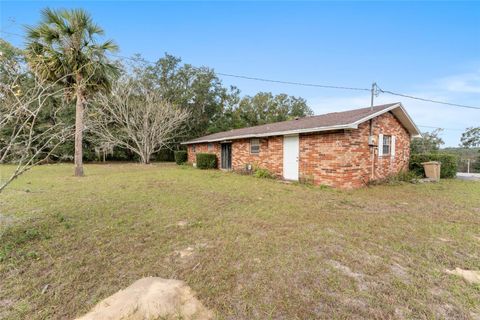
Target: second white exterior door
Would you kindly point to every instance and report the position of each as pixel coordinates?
(291, 148)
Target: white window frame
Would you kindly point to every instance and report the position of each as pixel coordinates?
(255, 145)
(393, 141)
(386, 138)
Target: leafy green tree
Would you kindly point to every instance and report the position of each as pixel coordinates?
(212, 106)
(427, 143)
(12, 62)
(17, 85)
(476, 164)
(29, 131)
(264, 108)
(470, 138)
(228, 118)
(197, 90)
(63, 48)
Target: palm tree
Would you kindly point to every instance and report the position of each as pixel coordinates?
(63, 48)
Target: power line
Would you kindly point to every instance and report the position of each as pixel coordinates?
(305, 84)
(11, 33)
(292, 83)
(428, 100)
(259, 79)
(447, 129)
(130, 58)
(285, 82)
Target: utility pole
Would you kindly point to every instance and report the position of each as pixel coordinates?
(373, 91)
(374, 87)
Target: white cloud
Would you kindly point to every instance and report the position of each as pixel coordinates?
(454, 120)
(325, 104)
(462, 83)
(461, 88)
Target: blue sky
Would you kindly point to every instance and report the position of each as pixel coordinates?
(427, 49)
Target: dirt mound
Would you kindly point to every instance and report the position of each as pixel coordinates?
(151, 298)
(469, 275)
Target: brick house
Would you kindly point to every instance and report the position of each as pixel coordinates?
(341, 149)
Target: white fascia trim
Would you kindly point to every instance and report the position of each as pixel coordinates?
(376, 114)
(418, 133)
(353, 125)
(278, 133)
(397, 105)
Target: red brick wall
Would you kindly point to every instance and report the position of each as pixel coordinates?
(340, 159)
(270, 156)
(387, 124)
(203, 148)
(344, 159)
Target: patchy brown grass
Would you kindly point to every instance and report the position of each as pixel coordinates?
(251, 248)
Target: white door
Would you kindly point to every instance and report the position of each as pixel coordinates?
(290, 157)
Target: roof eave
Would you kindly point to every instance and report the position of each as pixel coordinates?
(278, 133)
(403, 117)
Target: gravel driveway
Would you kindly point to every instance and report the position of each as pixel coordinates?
(468, 176)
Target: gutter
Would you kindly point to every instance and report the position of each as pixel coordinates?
(353, 125)
(277, 133)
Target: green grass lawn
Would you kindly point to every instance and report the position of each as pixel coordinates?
(258, 249)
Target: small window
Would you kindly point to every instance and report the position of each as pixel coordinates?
(193, 148)
(387, 145)
(210, 147)
(254, 146)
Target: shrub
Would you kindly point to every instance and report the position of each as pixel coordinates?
(447, 170)
(263, 173)
(165, 155)
(306, 180)
(398, 178)
(206, 161)
(476, 165)
(405, 176)
(181, 156)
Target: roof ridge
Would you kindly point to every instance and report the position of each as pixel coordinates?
(331, 121)
(357, 109)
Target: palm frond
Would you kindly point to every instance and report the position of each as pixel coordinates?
(109, 45)
(32, 33)
(51, 16)
(64, 44)
(94, 29)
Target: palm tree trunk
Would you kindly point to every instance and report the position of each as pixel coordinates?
(79, 128)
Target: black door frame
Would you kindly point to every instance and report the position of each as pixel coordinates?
(226, 156)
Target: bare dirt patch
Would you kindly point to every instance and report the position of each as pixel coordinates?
(400, 271)
(359, 277)
(252, 248)
(182, 223)
(185, 253)
(148, 299)
(471, 276)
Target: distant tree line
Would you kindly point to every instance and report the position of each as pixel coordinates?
(65, 97)
(88, 77)
(468, 151)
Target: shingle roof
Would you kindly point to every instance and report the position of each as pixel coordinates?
(330, 121)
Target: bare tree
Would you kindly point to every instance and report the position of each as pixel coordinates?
(65, 43)
(136, 118)
(428, 142)
(25, 141)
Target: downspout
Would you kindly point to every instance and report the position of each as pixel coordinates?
(372, 150)
(370, 137)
